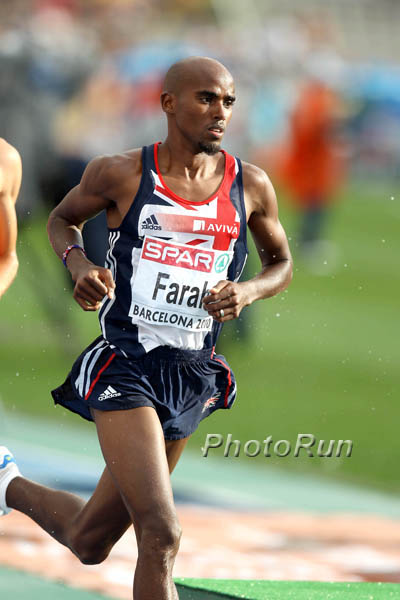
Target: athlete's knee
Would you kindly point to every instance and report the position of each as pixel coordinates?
(90, 554)
(89, 551)
(160, 537)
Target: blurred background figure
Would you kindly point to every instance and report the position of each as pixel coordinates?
(312, 164)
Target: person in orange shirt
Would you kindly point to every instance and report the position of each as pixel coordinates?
(10, 183)
(312, 165)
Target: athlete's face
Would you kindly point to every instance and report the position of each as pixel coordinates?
(203, 109)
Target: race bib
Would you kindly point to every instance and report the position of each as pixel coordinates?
(171, 281)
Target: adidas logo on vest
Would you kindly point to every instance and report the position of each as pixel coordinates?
(108, 393)
(151, 223)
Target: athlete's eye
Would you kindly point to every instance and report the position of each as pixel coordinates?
(229, 102)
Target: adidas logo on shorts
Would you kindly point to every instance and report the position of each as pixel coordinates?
(151, 223)
(108, 393)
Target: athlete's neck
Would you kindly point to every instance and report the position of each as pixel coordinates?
(178, 160)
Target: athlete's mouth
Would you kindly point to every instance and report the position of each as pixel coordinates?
(217, 130)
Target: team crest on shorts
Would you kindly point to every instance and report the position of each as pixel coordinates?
(211, 401)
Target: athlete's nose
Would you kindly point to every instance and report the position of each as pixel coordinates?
(220, 112)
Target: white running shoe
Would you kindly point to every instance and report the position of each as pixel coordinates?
(8, 471)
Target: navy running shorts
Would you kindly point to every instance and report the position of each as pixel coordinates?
(183, 386)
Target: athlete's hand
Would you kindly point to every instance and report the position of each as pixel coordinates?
(229, 296)
(92, 283)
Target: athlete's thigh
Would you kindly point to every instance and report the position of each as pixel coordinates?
(134, 449)
(105, 517)
(174, 449)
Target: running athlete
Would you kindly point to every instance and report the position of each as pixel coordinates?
(177, 215)
(10, 182)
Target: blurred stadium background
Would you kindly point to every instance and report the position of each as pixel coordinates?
(80, 78)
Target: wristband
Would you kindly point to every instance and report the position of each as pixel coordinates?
(68, 250)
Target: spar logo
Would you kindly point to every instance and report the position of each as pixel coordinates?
(221, 263)
(177, 255)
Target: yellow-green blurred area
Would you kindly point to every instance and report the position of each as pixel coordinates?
(82, 78)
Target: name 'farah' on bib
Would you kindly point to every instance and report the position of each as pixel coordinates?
(171, 281)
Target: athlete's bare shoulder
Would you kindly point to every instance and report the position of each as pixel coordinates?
(7, 152)
(10, 170)
(107, 174)
(259, 193)
(115, 164)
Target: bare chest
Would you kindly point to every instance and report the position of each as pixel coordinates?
(194, 190)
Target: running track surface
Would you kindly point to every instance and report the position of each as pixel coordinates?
(268, 529)
(17, 585)
(228, 544)
(20, 586)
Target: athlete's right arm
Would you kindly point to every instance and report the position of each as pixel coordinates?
(64, 228)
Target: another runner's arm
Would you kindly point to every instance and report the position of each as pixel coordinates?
(10, 183)
(272, 246)
(64, 228)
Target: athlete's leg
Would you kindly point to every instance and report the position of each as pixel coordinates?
(174, 451)
(133, 447)
(81, 525)
(89, 529)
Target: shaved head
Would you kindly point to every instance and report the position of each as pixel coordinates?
(197, 98)
(194, 69)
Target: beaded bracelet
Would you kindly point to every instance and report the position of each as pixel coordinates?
(68, 250)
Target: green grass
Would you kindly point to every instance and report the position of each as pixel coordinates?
(327, 365)
(214, 589)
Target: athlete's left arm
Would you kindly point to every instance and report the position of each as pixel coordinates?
(272, 246)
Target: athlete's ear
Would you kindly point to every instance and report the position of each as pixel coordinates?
(168, 102)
